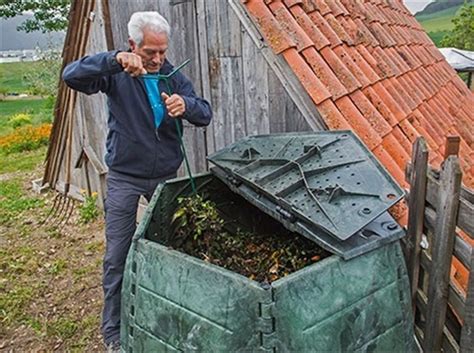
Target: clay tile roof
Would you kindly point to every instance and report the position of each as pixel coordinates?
(369, 66)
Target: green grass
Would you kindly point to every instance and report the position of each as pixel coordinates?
(12, 76)
(21, 162)
(13, 201)
(438, 21)
(39, 110)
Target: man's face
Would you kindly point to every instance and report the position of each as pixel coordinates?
(152, 50)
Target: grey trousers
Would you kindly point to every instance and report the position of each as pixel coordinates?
(123, 193)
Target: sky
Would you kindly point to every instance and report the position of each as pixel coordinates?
(416, 5)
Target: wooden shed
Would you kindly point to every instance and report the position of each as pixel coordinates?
(275, 66)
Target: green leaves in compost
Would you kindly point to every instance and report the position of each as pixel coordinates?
(200, 232)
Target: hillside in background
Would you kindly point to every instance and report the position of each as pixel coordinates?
(436, 17)
(18, 40)
(438, 5)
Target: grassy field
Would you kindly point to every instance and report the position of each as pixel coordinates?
(12, 76)
(439, 21)
(438, 24)
(50, 275)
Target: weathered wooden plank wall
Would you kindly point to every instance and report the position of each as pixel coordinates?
(227, 67)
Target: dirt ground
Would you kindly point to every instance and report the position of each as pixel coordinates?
(50, 275)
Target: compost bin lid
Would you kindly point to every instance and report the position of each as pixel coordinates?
(326, 186)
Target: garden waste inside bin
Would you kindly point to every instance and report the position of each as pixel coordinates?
(324, 186)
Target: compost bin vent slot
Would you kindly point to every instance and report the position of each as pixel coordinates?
(325, 182)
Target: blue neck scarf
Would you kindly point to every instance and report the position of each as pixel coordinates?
(155, 101)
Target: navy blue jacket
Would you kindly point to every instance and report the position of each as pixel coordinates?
(133, 148)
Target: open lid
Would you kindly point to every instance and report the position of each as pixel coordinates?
(325, 185)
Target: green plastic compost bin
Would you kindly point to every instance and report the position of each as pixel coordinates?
(325, 186)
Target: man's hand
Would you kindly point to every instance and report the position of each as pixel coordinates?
(174, 104)
(131, 63)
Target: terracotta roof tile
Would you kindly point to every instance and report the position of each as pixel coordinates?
(271, 29)
(428, 80)
(422, 86)
(325, 28)
(397, 152)
(308, 79)
(370, 113)
(339, 29)
(319, 40)
(350, 6)
(350, 28)
(346, 58)
(384, 38)
(397, 60)
(308, 6)
(388, 162)
(381, 107)
(332, 116)
(324, 73)
(321, 6)
(381, 69)
(290, 26)
(417, 125)
(395, 31)
(412, 59)
(377, 12)
(390, 102)
(402, 139)
(291, 3)
(410, 89)
(364, 35)
(369, 66)
(409, 131)
(366, 11)
(445, 117)
(362, 64)
(395, 94)
(434, 121)
(385, 61)
(344, 75)
(336, 8)
(393, 87)
(358, 122)
(429, 127)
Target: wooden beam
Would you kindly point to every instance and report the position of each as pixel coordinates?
(467, 333)
(466, 207)
(443, 243)
(282, 70)
(416, 207)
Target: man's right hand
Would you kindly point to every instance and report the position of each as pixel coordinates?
(131, 63)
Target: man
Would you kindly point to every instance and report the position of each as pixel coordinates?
(143, 146)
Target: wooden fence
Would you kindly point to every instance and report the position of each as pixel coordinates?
(440, 228)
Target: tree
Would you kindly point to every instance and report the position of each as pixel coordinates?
(462, 36)
(48, 15)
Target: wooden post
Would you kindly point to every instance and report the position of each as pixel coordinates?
(442, 252)
(452, 146)
(416, 211)
(467, 333)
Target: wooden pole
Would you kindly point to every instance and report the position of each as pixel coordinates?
(416, 207)
(442, 252)
(452, 146)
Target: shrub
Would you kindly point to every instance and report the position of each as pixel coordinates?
(88, 211)
(20, 119)
(26, 138)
